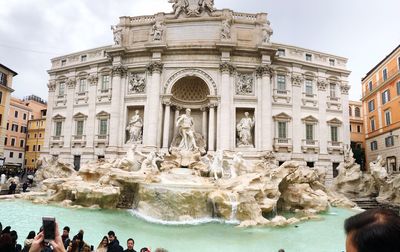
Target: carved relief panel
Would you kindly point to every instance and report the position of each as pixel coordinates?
(137, 83)
(244, 84)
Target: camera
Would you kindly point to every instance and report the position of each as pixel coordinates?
(49, 228)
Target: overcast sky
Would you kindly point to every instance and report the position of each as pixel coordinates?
(34, 31)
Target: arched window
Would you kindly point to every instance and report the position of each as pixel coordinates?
(350, 111)
(357, 112)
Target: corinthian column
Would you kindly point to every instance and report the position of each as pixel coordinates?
(152, 109)
(49, 122)
(71, 83)
(115, 118)
(90, 129)
(167, 117)
(211, 129)
(264, 72)
(225, 116)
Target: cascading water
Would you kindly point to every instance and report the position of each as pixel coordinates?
(234, 204)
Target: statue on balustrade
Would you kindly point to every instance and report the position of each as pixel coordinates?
(135, 128)
(244, 128)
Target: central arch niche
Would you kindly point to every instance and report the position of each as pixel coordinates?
(189, 91)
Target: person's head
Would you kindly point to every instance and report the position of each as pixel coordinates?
(31, 235)
(130, 243)
(136, 112)
(161, 250)
(111, 236)
(79, 237)
(281, 250)
(66, 231)
(144, 250)
(14, 236)
(246, 114)
(373, 230)
(104, 242)
(188, 111)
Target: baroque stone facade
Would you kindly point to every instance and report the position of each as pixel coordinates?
(220, 64)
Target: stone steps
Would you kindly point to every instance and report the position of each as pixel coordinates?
(367, 203)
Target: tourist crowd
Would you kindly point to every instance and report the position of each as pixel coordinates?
(63, 242)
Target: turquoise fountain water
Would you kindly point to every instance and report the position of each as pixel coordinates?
(312, 236)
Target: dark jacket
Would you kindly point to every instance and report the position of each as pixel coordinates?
(114, 246)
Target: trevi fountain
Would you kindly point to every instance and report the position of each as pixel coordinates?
(251, 195)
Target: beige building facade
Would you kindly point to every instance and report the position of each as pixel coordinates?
(246, 94)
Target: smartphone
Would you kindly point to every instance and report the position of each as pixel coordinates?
(49, 228)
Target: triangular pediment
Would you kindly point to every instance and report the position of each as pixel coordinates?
(334, 121)
(58, 117)
(310, 119)
(79, 115)
(103, 114)
(282, 117)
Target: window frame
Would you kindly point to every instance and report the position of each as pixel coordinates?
(386, 96)
(281, 82)
(388, 117)
(308, 84)
(105, 82)
(372, 124)
(334, 133)
(384, 74)
(389, 141)
(310, 131)
(371, 105)
(282, 132)
(374, 145)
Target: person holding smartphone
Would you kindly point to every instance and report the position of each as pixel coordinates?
(39, 241)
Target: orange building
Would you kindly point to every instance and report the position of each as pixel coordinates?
(357, 136)
(17, 128)
(6, 78)
(381, 107)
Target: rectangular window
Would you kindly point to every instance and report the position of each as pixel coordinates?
(103, 127)
(372, 121)
(1, 97)
(281, 85)
(38, 148)
(79, 128)
(371, 105)
(12, 141)
(309, 132)
(105, 82)
(11, 154)
(384, 74)
(309, 87)
(8, 126)
(308, 57)
(58, 128)
(63, 62)
(374, 145)
(351, 128)
(82, 85)
(24, 116)
(281, 52)
(388, 117)
(370, 85)
(358, 129)
(389, 141)
(21, 143)
(333, 90)
(334, 134)
(61, 89)
(83, 58)
(5, 141)
(398, 63)
(16, 114)
(27, 148)
(331, 62)
(385, 96)
(34, 148)
(3, 79)
(398, 88)
(282, 130)
(20, 155)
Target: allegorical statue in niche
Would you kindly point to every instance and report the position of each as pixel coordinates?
(185, 125)
(244, 130)
(157, 30)
(226, 29)
(267, 33)
(117, 31)
(135, 128)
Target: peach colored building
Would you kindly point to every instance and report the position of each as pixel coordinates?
(16, 129)
(6, 78)
(381, 106)
(357, 136)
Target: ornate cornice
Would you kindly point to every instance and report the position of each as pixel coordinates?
(264, 70)
(71, 83)
(119, 70)
(155, 66)
(52, 86)
(93, 79)
(297, 80)
(322, 84)
(226, 67)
